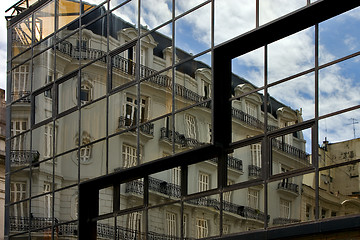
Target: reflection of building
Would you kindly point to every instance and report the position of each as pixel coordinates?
(98, 100)
(338, 187)
(2, 160)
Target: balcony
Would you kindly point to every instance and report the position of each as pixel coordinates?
(23, 157)
(254, 171)
(283, 221)
(163, 187)
(291, 150)
(288, 187)
(233, 163)
(24, 95)
(244, 211)
(180, 139)
(147, 128)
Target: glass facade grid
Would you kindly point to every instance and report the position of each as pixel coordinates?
(91, 114)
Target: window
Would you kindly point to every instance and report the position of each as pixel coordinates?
(185, 222)
(308, 212)
(253, 198)
(129, 155)
(85, 153)
(251, 109)
(20, 81)
(48, 141)
(190, 126)
(176, 176)
(227, 195)
(47, 200)
(131, 108)
(48, 79)
(324, 213)
(85, 93)
(134, 223)
(18, 127)
(226, 229)
(202, 228)
(171, 224)
(82, 44)
(285, 207)
(18, 193)
(206, 90)
(256, 154)
(204, 182)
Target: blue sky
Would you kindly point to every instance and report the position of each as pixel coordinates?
(338, 38)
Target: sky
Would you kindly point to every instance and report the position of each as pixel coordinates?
(288, 56)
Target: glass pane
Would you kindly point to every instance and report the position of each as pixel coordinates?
(338, 138)
(65, 50)
(93, 121)
(339, 185)
(44, 21)
(67, 132)
(92, 160)
(337, 37)
(291, 151)
(43, 106)
(165, 222)
(131, 194)
(125, 15)
(124, 153)
(66, 207)
(292, 102)
(156, 97)
(340, 82)
(43, 141)
(20, 83)
(192, 129)
(193, 83)
(21, 36)
(66, 167)
(93, 81)
(164, 186)
(193, 32)
(19, 218)
(68, 11)
(154, 15)
(67, 94)
(20, 153)
(43, 69)
(123, 68)
(183, 6)
(41, 211)
(243, 18)
(243, 204)
(40, 47)
(131, 226)
(202, 177)
(249, 68)
(248, 113)
(201, 217)
(106, 197)
(291, 55)
(106, 229)
(271, 10)
(93, 42)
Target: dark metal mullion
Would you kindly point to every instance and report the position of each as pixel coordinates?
(315, 129)
(266, 149)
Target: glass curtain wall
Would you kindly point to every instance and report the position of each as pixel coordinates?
(101, 87)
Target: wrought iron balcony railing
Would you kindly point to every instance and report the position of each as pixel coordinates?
(23, 157)
(283, 221)
(254, 171)
(292, 187)
(169, 189)
(294, 151)
(167, 134)
(147, 128)
(233, 163)
(24, 95)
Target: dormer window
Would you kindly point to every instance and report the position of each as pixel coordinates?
(85, 93)
(82, 44)
(251, 109)
(206, 90)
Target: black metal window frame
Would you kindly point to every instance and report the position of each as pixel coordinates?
(223, 54)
